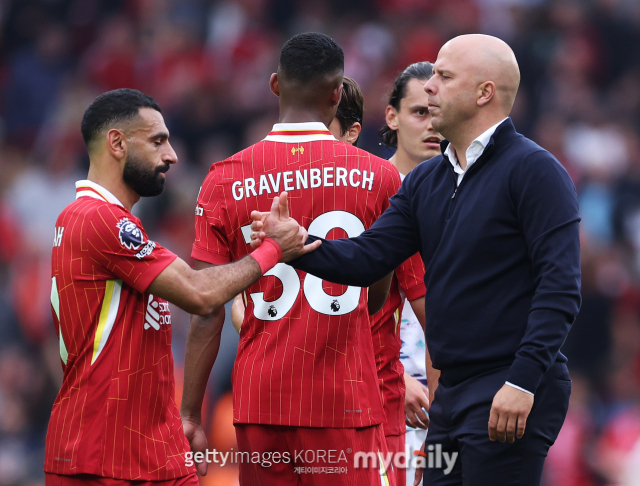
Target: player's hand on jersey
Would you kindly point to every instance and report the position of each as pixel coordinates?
(416, 403)
(277, 225)
(509, 412)
(194, 433)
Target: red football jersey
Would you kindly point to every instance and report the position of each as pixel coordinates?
(385, 328)
(305, 356)
(115, 415)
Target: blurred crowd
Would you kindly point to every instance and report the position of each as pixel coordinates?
(207, 63)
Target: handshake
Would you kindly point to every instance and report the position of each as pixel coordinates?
(280, 227)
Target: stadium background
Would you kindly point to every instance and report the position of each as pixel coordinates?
(208, 64)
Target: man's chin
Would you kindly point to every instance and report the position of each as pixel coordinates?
(438, 124)
(150, 191)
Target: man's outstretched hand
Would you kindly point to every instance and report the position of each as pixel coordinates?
(277, 225)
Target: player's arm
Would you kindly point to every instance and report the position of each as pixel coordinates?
(378, 294)
(411, 279)
(203, 343)
(433, 375)
(203, 291)
(417, 397)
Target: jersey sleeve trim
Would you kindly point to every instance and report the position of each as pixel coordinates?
(208, 257)
(153, 271)
(415, 292)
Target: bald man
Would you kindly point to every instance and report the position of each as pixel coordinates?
(495, 218)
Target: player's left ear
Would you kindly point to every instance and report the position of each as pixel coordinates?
(273, 84)
(116, 143)
(353, 133)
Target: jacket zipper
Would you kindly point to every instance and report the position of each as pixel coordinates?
(477, 163)
(455, 191)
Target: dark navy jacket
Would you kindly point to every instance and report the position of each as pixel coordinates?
(502, 256)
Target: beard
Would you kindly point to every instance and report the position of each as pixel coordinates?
(144, 179)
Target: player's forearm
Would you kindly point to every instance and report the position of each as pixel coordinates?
(418, 308)
(204, 291)
(219, 284)
(433, 375)
(203, 343)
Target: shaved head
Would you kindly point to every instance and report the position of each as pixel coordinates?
(474, 86)
(488, 58)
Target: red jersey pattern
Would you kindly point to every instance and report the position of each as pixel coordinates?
(385, 329)
(305, 356)
(115, 414)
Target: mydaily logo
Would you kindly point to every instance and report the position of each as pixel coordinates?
(433, 458)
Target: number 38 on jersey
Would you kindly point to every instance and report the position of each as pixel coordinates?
(317, 298)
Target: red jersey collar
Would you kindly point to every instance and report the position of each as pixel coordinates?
(96, 191)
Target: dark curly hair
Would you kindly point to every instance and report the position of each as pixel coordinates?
(112, 107)
(351, 107)
(419, 70)
(310, 56)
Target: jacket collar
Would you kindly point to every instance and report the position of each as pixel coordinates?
(503, 132)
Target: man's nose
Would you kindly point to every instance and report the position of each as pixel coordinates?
(429, 86)
(171, 156)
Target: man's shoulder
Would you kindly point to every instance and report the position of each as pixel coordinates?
(89, 223)
(526, 161)
(245, 155)
(90, 209)
(224, 171)
(384, 171)
(513, 143)
(535, 157)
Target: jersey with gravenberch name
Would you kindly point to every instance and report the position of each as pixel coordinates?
(115, 415)
(305, 356)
